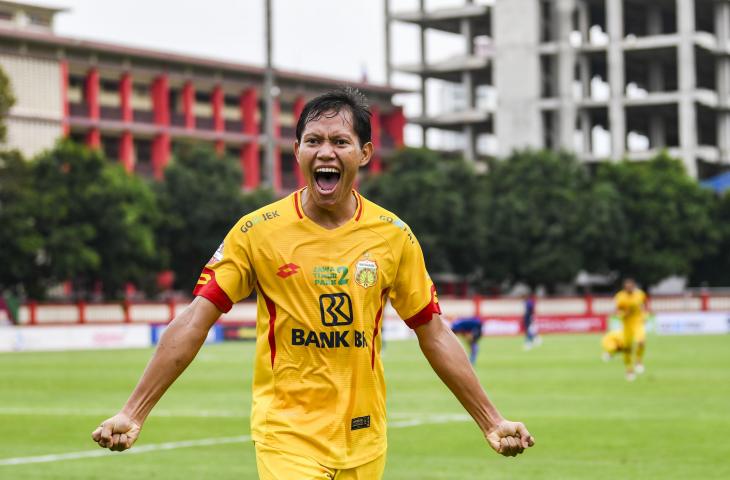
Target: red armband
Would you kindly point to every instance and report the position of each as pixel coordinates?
(426, 313)
(208, 288)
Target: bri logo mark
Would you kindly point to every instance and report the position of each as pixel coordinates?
(288, 270)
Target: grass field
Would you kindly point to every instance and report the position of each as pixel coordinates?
(589, 423)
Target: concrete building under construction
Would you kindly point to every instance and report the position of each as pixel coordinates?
(607, 79)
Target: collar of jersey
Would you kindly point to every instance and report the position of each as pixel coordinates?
(299, 209)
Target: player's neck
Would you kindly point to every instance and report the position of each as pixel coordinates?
(329, 218)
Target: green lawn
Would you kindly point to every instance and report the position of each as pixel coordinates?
(589, 423)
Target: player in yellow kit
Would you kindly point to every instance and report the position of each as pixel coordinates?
(630, 303)
(613, 343)
(323, 262)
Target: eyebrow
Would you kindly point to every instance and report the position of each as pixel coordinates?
(334, 134)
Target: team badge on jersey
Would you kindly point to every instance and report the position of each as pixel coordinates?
(217, 256)
(366, 272)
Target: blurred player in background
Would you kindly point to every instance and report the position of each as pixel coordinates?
(471, 329)
(630, 303)
(613, 343)
(323, 262)
(528, 323)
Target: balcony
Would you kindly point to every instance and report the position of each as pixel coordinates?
(204, 123)
(234, 126)
(111, 113)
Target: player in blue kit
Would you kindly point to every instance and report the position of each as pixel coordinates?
(471, 329)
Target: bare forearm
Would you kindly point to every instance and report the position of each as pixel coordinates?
(178, 346)
(448, 359)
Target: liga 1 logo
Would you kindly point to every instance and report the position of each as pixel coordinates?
(366, 272)
(217, 256)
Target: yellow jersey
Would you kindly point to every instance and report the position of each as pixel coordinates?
(631, 306)
(318, 385)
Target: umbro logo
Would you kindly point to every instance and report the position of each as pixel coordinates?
(288, 270)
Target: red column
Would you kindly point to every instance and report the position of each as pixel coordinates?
(161, 115)
(375, 162)
(63, 72)
(298, 108)
(219, 126)
(394, 123)
(188, 104)
(126, 142)
(93, 136)
(705, 301)
(33, 312)
(126, 151)
(276, 183)
(250, 150)
(81, 306)
(589, 305)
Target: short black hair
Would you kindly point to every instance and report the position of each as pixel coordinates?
(347, 98)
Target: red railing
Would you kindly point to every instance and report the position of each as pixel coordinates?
(34, 313)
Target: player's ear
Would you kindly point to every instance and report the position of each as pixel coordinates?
(367, 153)
(296, 150)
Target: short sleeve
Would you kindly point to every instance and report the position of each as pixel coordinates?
(413, 294)
(228, 277)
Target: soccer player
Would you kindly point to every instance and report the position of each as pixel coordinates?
(323, 262)
(613, 343)
(528, 323)
(471, 329)
(630, 308)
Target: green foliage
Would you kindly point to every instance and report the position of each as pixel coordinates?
(7, 100)
(536, 218)
(666, 222)
(442, 203)
(97, 221)
(201, 200)
(713, 267)
(19, 236)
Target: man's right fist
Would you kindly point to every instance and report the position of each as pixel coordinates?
(116, 433)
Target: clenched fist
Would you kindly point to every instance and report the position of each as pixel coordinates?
(117, 433)
(509, 438)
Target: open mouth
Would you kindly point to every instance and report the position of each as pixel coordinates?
(326, 178)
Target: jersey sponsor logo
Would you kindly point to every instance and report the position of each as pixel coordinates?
(204, 278)
(288, 270)
(329, 339)
(335, 309)
(263, 217)
(360, 422)
(326, 275)
(400, 224)
(366, 272)
(217, 256)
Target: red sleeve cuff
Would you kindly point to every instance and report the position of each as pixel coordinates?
(426, 313)
(208, 288)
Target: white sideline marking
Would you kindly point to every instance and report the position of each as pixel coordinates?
(204, 442)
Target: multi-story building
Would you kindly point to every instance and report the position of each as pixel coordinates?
(135, 104)
(604, 78)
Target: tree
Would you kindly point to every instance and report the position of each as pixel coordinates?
(21, 242)
(713, 267)
(536, 218)
(667, 218)
(7, 100)
(98, 222)
(201, 199)
(442, 202)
